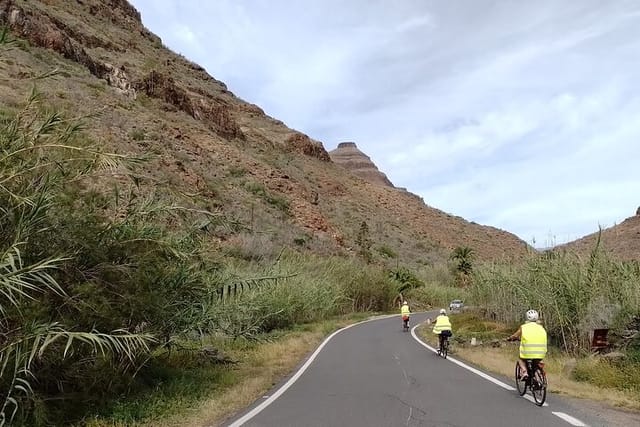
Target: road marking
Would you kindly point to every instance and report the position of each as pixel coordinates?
(568, 418)
(532, 400)
(464, 365)
(255, 411)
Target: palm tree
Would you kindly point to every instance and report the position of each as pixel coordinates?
(463, 256)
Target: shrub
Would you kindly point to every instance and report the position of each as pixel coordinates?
(387, 252)
(370, 290)
(138, 134)
(276, 201)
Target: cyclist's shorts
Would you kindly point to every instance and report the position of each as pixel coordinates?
(405, 318)
(445, 334)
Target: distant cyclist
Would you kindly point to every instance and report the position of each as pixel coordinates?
(442, 328)
(533, 341)
(405, 313)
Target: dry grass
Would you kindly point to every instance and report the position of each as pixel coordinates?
(502, 360)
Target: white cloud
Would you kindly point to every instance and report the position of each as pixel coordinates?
(521, 115)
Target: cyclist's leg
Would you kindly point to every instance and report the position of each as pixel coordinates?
(523, 367)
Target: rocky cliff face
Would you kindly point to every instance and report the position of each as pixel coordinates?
(351, 158)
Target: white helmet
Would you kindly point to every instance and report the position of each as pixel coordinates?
(443, 311)
(405, 303)
(532, 316)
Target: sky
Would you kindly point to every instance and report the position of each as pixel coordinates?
(522, 115)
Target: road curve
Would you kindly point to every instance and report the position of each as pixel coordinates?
(373, 374)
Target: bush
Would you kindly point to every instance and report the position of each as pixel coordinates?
(370, 290)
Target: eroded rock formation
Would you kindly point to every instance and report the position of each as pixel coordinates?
(350, 157)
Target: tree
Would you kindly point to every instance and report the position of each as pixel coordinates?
(463, 257)
(364, 242)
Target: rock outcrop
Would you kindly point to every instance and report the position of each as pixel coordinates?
(301, 143)
(350, 157)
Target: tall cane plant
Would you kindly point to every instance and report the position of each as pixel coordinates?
(37, 158)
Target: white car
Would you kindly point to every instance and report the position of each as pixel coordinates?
(456, 304)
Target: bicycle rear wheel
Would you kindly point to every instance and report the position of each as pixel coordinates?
(445, 348)
(520, 385)
(539, 386)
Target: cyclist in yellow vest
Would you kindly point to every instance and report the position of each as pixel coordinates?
(405, 313)
(533, 340)
(442, 328)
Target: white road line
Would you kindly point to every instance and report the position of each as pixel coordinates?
(255, 411)
(532, 400)
(568, 418)
(464, 365)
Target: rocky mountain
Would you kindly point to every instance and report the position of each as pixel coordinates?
(351, 158)
(622, 240)
(202, 141)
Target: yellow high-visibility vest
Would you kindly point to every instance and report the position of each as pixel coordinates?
(442, 324)
(405, 310)
(533, 342)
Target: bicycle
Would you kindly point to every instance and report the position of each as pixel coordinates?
(536, 380)
(405, 324)
(443, 347)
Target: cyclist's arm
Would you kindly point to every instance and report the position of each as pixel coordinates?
(516, 335)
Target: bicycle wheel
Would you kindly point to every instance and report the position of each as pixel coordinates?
(445, 348)
(520, 385)
(539, 386)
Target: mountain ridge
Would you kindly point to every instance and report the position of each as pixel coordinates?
(622, 240)
(207, 142)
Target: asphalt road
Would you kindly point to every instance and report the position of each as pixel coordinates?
(373, 374)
